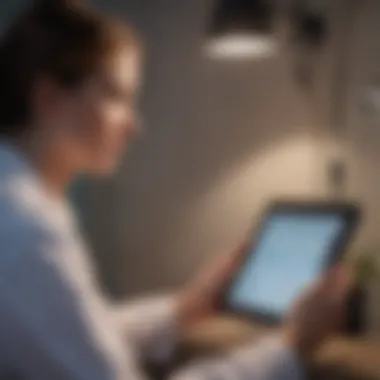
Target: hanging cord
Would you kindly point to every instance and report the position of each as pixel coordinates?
(338, 167)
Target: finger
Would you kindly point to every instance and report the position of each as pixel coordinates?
(239, 253)
(345, 282)
(333, 276)
(325, 286)
(227, 265)
(336, 285)
(232, 259)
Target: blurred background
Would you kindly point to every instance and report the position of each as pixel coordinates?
(231, 123)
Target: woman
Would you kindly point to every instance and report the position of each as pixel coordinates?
(69, 79)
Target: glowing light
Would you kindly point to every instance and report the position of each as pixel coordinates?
(243, 46)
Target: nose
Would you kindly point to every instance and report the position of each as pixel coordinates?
(138, 125)
(133, 127)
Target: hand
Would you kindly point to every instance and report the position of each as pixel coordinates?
(200, 298)
(319, 313)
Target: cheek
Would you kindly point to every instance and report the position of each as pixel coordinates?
(106, 126)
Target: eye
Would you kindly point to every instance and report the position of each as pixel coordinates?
(113, 92)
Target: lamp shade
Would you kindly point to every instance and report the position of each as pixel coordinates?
(242, 28)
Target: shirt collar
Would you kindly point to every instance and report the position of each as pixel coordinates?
(19, 178)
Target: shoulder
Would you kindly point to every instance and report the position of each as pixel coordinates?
(25, 230)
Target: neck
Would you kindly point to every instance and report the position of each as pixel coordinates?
(50, 161)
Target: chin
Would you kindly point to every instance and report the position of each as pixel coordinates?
(104, 169)
(104, 164)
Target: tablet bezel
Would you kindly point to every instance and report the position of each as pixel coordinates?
(351, 213)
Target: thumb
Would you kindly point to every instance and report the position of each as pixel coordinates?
(337, 282)
(231, 260)
(344, 283)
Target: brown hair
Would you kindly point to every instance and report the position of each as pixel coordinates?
(59, 38)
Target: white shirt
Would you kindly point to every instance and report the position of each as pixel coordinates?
(56, 324)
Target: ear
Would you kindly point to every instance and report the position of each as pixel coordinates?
(46, 96)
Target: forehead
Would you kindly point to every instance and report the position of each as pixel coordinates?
(123, 67)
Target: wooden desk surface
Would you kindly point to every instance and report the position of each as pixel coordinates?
(360, 357)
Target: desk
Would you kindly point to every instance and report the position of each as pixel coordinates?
(343, 358)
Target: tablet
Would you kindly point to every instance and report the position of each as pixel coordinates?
(295, 243)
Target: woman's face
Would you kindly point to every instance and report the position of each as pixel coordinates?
(95, 122)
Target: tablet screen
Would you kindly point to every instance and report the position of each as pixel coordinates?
(291, 252)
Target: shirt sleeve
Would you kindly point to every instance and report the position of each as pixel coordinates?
(267, 360)
(49, 326)
(149, 324)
